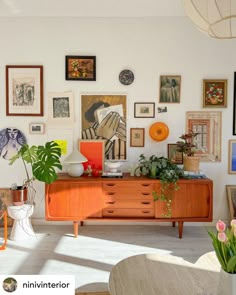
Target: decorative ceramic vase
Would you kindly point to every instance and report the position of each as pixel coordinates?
(19, 195)
(191, 164)
(227, 283)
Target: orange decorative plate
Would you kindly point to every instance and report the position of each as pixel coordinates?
(159, 131)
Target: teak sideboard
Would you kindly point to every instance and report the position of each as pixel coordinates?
(128, 199)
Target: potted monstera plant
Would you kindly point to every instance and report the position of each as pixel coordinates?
(42, 161)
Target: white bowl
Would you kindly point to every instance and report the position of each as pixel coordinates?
(113, 166)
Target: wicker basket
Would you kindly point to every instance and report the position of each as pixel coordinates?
(191, 164)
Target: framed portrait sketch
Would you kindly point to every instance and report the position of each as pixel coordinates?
(24, 90)
(81, 68)
(94, 151)
(137, 136)
(174, 155)
(231, 195)
(144, 110)
(232, 157)
(170, 89)
(104, 118)
(214, 93)
(208, 140)
(61, 109)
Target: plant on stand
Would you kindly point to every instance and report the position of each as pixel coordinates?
(187, 146)
(168, 173)
(43, 162)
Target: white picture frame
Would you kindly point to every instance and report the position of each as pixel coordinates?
(36, 128)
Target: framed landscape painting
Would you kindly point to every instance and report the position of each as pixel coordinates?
(24, 90)
(144, 110)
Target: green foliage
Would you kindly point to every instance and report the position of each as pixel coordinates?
(43, 161)
(186, 145)
(168, 173)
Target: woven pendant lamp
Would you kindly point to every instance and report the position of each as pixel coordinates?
(217, 18)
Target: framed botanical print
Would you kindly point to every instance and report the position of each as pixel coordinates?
(137, 136)
(214, 93)
(24, 90)
(82, 68)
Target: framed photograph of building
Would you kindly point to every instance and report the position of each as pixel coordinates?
(144, 110)
(231, 195)
(24, 90)
(170, 89)
(137, 137)
(214, 93)
(82, 68)
(37, 128)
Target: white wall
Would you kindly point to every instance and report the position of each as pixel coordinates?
(150, 48)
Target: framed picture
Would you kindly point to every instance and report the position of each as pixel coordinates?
(214, 93)
(81, 68)
(94, 151)
(144, 109)
(5, 200)
(172, 154)
(170, 89)
(104, 117)
(137, 136)
(232, 157)
(208, 141)
(24, 90)
(37, 128)
(60, 109)
(231, 195)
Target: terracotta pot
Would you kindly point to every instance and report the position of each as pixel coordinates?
(19, 195)
(191, 164)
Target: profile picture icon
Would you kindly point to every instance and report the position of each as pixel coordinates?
(9, 285)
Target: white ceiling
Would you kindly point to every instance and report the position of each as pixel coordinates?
(90, 8)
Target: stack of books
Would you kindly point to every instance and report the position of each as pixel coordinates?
(110, 174)
(197, 174)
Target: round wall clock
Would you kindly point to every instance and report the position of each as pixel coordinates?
(126, 77)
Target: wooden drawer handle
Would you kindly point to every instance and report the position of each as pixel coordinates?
(111, 194)
(145, 212)
(145, 184)
(110, 203)
(110, 211)
(110, 184)
(145, 203)
(145, 194)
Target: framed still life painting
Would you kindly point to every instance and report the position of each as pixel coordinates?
(81, 68)
(214, 93)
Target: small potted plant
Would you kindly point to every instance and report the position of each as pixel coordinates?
(187, 146)
(43, 161)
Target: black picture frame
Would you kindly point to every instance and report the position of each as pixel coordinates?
(80, 68)
(234, 106)
(144, 110)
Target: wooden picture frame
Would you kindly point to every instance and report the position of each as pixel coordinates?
(94, 151)
(231, 196)
(137, 137)
(36, 128)
(80, 68)
(5, 200)
(170, 86)
(24, 90)
(232, 157)
(208, 125)
(144, 110)
(214, 93)
(173, 155)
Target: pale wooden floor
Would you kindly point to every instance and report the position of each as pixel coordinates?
(98, 248)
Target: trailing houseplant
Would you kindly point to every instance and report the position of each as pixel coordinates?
(42, 161)
(168, 173)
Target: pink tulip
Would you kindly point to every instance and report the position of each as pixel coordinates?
(220, 226)
(234, 231)
(222, 237)
(233, 223)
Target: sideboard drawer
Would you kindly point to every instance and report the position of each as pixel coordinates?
(129, 204)
(128, 187)
(115, 195)
(144, 213)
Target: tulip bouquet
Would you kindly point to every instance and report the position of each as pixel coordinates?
(224, 243)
